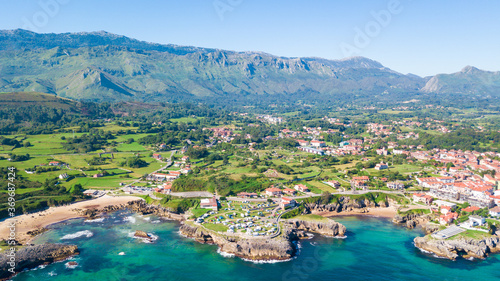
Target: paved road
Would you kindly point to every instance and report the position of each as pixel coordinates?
(190, 194)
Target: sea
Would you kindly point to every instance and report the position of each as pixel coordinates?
(373, 249)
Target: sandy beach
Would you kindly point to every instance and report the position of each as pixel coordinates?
(388, 212)
(53, 215)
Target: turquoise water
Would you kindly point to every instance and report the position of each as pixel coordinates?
(374, 249)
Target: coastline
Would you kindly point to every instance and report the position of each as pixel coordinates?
(53, 215)
(380, 212)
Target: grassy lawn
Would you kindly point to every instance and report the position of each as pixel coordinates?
(200, 212)
(130, 147)
(216, 227)
(472, 234)
(311, 218)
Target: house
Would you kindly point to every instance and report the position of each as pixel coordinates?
(184, 158)
(421, 197)
(448, 218)
(476, 221)
(247, 195)
(445, 210)
(90, 192)
(301, 188)
(303, 142)
(362, 178)
(334, 184)
(382, 151)
(186, 170)
(495, 212)
(381, 166)
(99, 175)
(312, 150)
(157, 156)
(63, 176)
(167, 188)
(273, 191)
(358, 184)
(317, 143)
(54, 163)
(287, 202)
(396, 185)
(289, 191)
(209, 203)
(470, 209)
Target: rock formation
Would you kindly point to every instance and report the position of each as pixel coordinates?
(454, 248)
(261, 248)
(279, 248)
(327, 228)
(32, 256)
(410, 220)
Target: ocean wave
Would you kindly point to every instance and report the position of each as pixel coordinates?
(86, 233)
(224, 254)
(130, 219)
(71, 265)
(156, 221)
(267, 261)
(96, 220)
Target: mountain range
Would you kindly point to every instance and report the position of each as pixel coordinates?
(101, 66)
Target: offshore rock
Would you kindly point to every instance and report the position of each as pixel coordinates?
(32, 256)
(455, 248)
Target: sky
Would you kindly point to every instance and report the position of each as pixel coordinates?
(422, 37)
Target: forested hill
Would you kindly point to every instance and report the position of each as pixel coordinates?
(101, 66)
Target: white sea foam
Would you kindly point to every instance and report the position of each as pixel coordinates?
(224, 254)
(267, 261)
(70, 266)
(121, 254)
(86, 233)
(156, 221)
(52, 273)
(96, 220)
(130, 219)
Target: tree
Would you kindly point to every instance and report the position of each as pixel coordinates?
(77, 190)
(326, 197)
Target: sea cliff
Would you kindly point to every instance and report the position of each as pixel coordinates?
(461, 247)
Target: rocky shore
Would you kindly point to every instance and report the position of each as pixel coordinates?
(137, 206)
(463, 247)
(32, 256)
(411, 220)
(326, 228)
(277, 248)
(345, 204)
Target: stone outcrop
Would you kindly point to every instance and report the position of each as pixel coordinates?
(32, 256)
(410, 220)
(141, 234)
(260, 248)
(346, 204)
(279, 248)
(326, 227)
(455, 248)
(37, 231)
